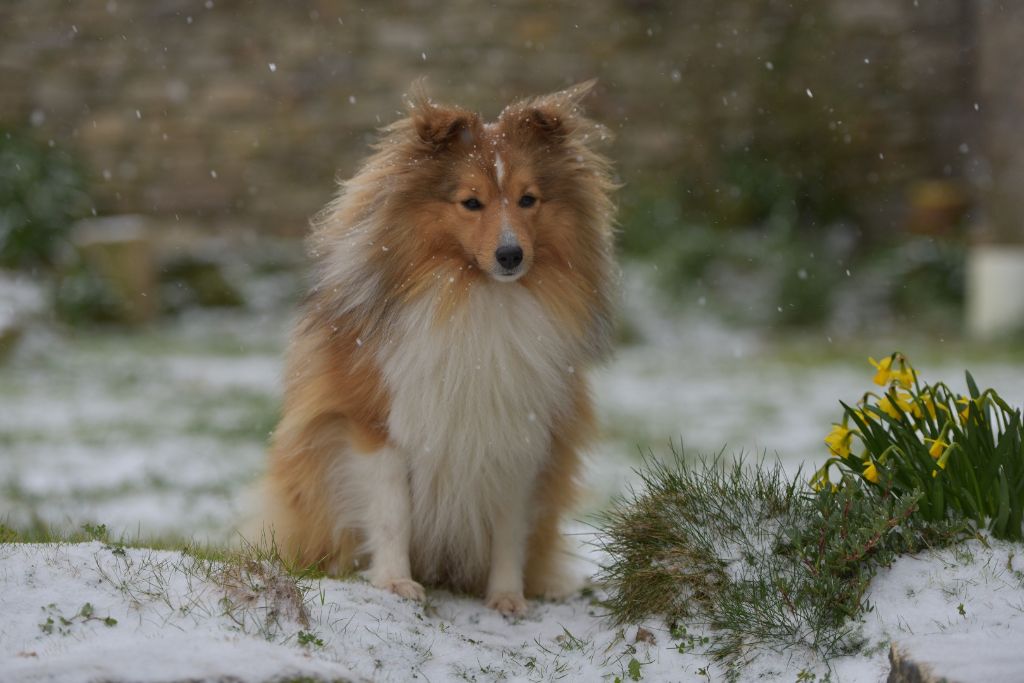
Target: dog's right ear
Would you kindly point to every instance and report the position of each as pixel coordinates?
(439, 126)
(557, 117)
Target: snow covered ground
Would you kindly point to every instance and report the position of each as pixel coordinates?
(157, 434)
(91, 612)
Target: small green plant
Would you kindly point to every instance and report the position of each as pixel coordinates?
(57, 622)
(633, 669)
(688, 642)
(96, 532)
(961, 455)
(760, 560)
(309, 639)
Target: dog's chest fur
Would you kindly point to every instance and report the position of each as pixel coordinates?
(473, 402)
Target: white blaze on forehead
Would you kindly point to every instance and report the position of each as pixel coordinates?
(499, 168)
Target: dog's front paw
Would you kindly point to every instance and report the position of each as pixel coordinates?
(405, 588)
(508, 604)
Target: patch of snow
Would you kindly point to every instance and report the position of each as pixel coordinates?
(170, 625)
(165, 606)
(959, 610)
(20, 297)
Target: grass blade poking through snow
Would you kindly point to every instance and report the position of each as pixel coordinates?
(761, 559)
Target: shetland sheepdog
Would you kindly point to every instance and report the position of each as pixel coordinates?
(436, 397)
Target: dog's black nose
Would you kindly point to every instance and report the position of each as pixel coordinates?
(509, 258)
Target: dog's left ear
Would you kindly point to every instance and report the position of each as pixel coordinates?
(439, 126)
(556, 117)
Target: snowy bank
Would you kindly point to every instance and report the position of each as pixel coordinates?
(181, 618)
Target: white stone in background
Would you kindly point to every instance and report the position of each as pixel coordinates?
(995, 290)
(120, 250)
(126, 228)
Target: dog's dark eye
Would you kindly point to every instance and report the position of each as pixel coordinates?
(526, 201)
(473, 204)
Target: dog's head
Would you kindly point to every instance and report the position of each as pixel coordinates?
(504, 195)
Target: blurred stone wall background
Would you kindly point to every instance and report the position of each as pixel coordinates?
(234, 114)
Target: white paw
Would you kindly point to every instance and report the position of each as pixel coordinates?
(508, 604)
(405, 588)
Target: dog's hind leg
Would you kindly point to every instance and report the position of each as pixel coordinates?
(548, 571)
(303, 514)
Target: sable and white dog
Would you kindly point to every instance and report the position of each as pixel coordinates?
(436, 397)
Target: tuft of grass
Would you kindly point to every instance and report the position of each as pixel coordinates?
(760, 560)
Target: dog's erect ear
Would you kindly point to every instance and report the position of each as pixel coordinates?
(439, 126)
(556, 116)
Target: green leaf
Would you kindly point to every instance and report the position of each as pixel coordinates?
(1003, 514)
(972, 387)
(634, 669)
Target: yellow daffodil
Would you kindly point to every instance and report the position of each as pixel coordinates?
(889, 403)
(928, 402)
(871, 473)
(820, 481)
(884, 368)
(885, 373)
(941, 458)
(937, 448)
(966, 410)
(838, 440)
(905, 375)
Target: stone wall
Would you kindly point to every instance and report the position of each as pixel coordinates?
(1000, 83)
(236, 113)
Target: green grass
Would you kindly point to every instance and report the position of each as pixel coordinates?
(38, 531)
(239, 552)
(760, 560)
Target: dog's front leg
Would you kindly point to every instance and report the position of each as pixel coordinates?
(508, 556)
(383, 479)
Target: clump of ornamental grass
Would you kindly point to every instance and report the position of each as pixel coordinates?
(959, 454)
(763, 561)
